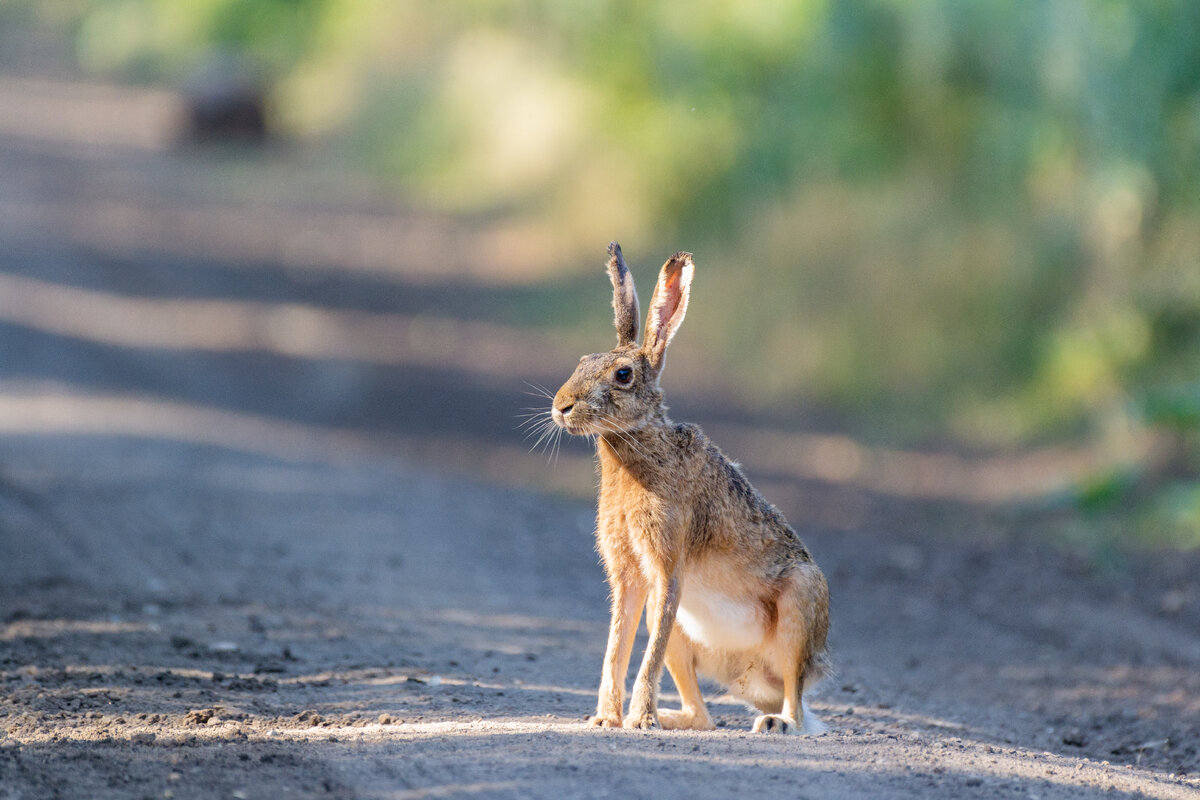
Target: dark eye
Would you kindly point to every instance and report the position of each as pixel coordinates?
(623, 375)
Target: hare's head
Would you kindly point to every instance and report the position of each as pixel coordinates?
(618, 390)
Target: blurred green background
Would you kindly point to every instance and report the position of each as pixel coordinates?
(965, 224)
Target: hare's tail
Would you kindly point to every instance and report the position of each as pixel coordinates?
(812, 724)
(817, 668)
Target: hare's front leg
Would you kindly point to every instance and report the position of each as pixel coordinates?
(660, 618)
(628, 598)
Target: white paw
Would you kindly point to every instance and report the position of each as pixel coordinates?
(776, 723)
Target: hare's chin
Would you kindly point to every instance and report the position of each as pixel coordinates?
(583, 428)
(573, 428)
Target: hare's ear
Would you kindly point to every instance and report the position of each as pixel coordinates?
(625, 302)
(668, 306)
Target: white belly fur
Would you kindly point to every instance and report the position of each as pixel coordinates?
(717, 621)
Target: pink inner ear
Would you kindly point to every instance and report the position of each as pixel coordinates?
(667, 306)
(671, 297)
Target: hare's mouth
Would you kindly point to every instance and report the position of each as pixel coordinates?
(574, 423)
(574, 427)
(567, 419)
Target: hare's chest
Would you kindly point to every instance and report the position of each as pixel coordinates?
(649, 524)
(718, 620)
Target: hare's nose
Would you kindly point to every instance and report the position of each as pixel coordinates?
(564, 410)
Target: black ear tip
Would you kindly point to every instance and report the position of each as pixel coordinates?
(682, 256)
(614, 249)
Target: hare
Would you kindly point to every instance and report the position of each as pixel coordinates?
(730, 592)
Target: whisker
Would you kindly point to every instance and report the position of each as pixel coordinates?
(544, 433)
(547, 448)
(539, 425)
(554, 447)
(618, 455)
(533, 420)
(538, 431)
(633, 444)
(609, 423)
(538, 391)
(528, 418)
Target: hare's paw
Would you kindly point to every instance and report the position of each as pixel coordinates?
(776, 723)
(600, 721)
(684, 721)
(645, 721)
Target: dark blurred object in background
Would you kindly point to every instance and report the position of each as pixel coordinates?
(224, 99)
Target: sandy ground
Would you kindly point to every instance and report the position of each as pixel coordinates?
(186, 621)
(242, 554)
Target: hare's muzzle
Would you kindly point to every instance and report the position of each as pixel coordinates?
(561, 413)
(560, 409)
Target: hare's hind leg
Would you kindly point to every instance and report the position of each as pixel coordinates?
(681, 663)
(787, 721)
(803, 621)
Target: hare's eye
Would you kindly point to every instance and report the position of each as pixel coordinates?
(623, 375)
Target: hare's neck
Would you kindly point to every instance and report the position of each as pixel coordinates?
(639, 452)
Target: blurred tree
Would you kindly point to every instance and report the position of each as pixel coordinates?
(949, 217)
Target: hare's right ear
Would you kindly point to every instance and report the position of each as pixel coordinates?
(667, 306)
(625, 302)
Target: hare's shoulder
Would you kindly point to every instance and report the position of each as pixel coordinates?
(734, 506)
(686, 436)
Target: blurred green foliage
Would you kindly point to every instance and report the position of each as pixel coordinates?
(944, 218)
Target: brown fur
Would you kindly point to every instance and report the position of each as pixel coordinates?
(676, 514)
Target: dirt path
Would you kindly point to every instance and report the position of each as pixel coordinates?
(222, 573)
(192, 622)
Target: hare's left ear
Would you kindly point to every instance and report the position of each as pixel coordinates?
(668, 306)
(625, 302)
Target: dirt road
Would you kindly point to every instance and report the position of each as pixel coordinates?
(187, 621)
(241, 554)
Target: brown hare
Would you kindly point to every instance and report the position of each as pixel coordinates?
(730, 592)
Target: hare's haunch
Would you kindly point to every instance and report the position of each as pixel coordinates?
(729, 590)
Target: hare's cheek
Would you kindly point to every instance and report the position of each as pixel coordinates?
(620, 400)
